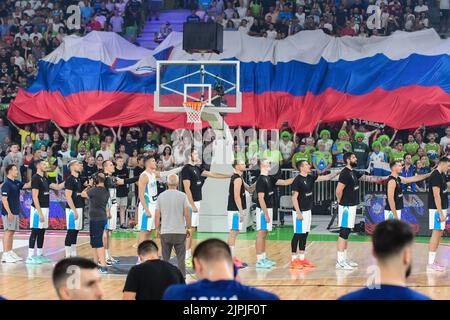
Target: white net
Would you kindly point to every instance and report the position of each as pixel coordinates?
(194, 114)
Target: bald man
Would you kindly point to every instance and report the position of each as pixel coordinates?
(173, 223)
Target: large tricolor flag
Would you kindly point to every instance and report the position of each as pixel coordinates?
(402, 80)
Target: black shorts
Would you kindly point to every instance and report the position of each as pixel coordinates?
(96, 229)
(445, 13)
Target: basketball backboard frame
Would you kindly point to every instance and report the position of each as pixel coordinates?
(201, 63)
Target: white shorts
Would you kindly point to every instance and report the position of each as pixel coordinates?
(145, 223)
(301, 226)
(111, 224)
(388, 215)
(194, 215)
(347, 216)
(34, 218)
(233, 221)
(71, 223)
(435, 224)
(122, 201)
(261, 223)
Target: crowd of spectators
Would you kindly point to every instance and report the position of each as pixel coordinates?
(29, 30)
(278, 19)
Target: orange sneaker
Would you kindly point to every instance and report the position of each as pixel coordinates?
(295, 264)
(238, 263)
(305, 263)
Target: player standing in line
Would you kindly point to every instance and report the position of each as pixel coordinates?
(193, 176)
(394, 192)
(437, 207)
(236, 206)
(302, 199)
(112, 183)
(148, 196)
(39, 211)
(265, 187)
(347, 194)
(74, 207)
(10, 211)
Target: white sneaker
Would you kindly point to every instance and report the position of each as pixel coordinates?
(343, 266)
(352, 263)
(8, 258)
(15, 256)
(436, 267)
(115, 261)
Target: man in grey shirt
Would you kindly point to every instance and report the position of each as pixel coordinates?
(173, 223)
(14, 157)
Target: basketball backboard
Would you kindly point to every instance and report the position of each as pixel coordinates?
(214, 82)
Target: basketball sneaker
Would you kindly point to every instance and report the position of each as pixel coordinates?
(15, 256)
(436, 267)
(114, 260)
(7, 258)
(343, 265)
(273, 263)
(238, 263)
(43, 259)
(33, 260)
(110, 262)
(296, 264)
(263, 264)
(103, 270)
(305, 263)
(351, 263)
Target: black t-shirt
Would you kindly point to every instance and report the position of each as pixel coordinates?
(88, 171)
(231, 203)
(57, 145)
(32, 167)
(266, 185)
(74, 184)
(122, 190)
(42, 185)
(437, 179)
(351, 180)
(98, 200)
(129, 146)
(151, 278)
(137, 171)
(146, 145)
(194, 175)
(111, 184)
(341, 16)
(398, 194)
(304, 186)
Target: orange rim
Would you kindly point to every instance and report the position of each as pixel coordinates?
(195, 105)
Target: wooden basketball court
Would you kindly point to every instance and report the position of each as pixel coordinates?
(21, 281)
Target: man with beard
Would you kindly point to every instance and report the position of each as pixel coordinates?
(193, 175)
(74, 207)
(111, 184)
(394, 192)
(347, 194)
(39, 212)
(392, 247)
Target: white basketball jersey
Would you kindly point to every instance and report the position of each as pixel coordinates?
(151, 188)
(377, 159)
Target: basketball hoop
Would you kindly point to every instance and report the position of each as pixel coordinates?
(194, 111)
